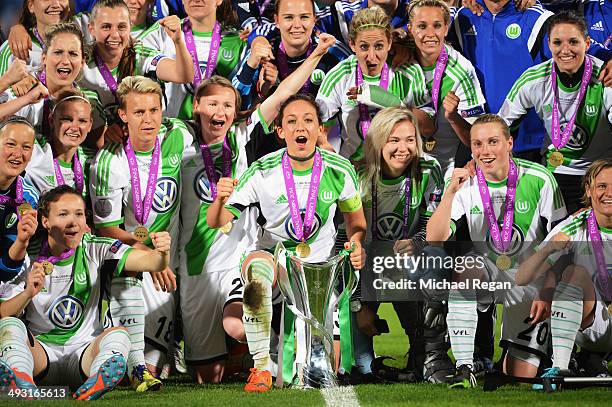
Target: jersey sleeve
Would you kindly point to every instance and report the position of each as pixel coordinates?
(518, 100)
(15, 286)
(433, 189)
(471, 99)
(108, 180)
(551, 204)
(350, 198)
(458, 209)
(147, 59)
(607, 99)
(329, 97)
(110, 250)
(152, 38)
(245, 193)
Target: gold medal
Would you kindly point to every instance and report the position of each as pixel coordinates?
(503, 262)
(555, 158)
(23, 208)
(141, 233)
(47, 267)
(302, 250)
(430, 143)
(226, 228)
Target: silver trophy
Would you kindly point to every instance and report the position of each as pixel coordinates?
(308, 289)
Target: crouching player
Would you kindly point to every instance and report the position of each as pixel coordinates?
(578, 313)
(509, 206)
(283, 184)
(60, 294)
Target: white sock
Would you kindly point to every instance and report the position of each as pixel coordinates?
(127, 310)
(462, 320)
(565, 319)
(116, 342)
(257, 306)
(15, 350)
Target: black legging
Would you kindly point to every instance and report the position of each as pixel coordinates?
(571, 189)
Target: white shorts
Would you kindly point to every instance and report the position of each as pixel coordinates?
(63, 365)
(519, 333)
(598, 336)
(159, 315)
(203, 300)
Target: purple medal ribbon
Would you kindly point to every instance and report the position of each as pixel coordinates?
(407, 199)
(142, 209)
(39, 37)
(215, 43)
(500, 240)
(283, 67)
(18, 196)
(44, 254)
(602, 272)
(209, 165)
(364, 114)
(302, 229)
(558, 139)
(437, 79)
(106, 74)
(77, 169)
(263, 7)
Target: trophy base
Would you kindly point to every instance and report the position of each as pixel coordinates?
(312, 377)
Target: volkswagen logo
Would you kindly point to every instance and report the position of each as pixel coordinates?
(578, 140)
(166, 193)
(66, 312)
(389, 226)
(316, 224)
(516, 241)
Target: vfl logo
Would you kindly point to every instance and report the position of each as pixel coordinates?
(201, 186)
(10, 220)
(327, 196)
(166, 193)
(415, 200)
(516, 241)
(513, 31)
(227, 54)
(389, 226)
(80, 278)
(65, 312)
(174, 160)
(290, 230)
(522, 206)
(578, 139)
(590, 110)
(316, 78)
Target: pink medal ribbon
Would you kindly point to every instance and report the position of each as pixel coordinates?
(364, 114)
(44, 254)
(602, 271)
(437, 79)
(39, 37)
(283, 67)
(406, 213)
(77, 169)
(302, 229)
(209, 165)
(18, 196)
(215, 44)
(558, 139)
(106, 74)
(142, 209)
(500, 240)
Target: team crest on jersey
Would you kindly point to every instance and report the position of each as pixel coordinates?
(80, 278)
(513, 31)
(166, 194)
(522, 206)
(227, 54)
(174, 160)
(66, 312)
(327, 196)
(316, 225)
(316, 78)
(10, 220)
(415, 200)
(590, 110)
(516, 241)
(578, 140)
(389, 226)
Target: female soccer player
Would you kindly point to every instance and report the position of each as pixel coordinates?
(116, 56)
(17, 196)
(370, 36)
(573, 104)
(509, 205)
(213, 45)
(64, 318)
(579, 313)
(211, 288)
(309, 178)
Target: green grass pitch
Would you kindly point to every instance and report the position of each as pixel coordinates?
(179, 391)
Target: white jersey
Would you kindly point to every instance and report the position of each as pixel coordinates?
(406, 82)
(34, 61)
(590, 139)
(111, 184)
(67, 310)
(424, 199)
(41, 171)
(263, 184)
(179, 96)
(460, 78)
(202, 248)
(147, 60)
(538, 206)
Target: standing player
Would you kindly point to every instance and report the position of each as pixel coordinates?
(316, 180)
(522, 197)
(135, 190)
(573, 104)
(579, 313)
(60, 293)
(17, 196)
(211, 288)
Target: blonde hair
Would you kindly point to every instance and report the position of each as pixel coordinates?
(592, 172)
(493, 118)
(413, 5)
(367, 19)
(378, 133)
(137, 84)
